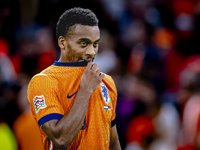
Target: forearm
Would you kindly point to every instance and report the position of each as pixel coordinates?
(114, 140)
(64, 131)
(72, 122)
(115, 145)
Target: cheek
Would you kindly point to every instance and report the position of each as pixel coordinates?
(73, 54)
(96, 49)
(71, 50)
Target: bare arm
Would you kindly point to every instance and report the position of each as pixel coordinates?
(114, 141)
(62, 132)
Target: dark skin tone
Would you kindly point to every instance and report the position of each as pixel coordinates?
(80, 45)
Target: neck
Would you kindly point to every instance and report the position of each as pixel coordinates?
(62, 59)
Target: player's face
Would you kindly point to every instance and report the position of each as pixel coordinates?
(82, 43)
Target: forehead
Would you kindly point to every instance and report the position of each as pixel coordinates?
(84, 31)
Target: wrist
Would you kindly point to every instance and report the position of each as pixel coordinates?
(85, 92)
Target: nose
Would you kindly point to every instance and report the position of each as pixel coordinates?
(90, 51)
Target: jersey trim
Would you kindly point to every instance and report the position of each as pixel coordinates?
(49, 117)
(51, 146)
(113, 122)
(71, 64)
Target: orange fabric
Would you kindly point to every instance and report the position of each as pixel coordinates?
(27, 132)
(52, 87)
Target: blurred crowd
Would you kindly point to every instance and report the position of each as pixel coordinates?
(151, 48)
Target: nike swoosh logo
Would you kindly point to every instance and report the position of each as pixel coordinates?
(70, 96)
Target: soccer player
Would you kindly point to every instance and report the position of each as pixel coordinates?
(72, 100)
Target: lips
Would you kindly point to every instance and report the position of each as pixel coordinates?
(88, 59)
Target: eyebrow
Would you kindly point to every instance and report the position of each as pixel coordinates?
(88, 40)
(98, 40)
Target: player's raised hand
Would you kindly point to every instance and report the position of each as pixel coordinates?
(91, 78)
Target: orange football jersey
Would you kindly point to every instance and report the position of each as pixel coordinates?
(51, 94)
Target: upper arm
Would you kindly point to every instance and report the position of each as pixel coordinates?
(113, 134)
(45, 106)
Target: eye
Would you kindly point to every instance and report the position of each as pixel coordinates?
(95, 45)
(83, 44)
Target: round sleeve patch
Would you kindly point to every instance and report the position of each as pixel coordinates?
(39, 103)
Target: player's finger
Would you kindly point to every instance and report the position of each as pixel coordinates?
(89, 65)
(94, 67)
(98, 71)
(102, 75)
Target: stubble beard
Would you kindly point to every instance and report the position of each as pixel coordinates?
(80, 59)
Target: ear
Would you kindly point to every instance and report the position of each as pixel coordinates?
(61, 42)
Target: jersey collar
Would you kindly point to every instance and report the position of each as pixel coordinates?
(71, 64)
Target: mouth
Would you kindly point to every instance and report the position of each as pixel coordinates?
(88, 59)
(80, 60)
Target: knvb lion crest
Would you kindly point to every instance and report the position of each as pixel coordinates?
(105, 94)
(39, 103)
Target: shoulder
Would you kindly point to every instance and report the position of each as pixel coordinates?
(41, 84)
(39, 78)
(108, 80)
(109, 83)
(46, 75)
(42, 80)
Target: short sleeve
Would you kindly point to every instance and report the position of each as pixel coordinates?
(42, 96)
(113, 96)
(114, 103)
